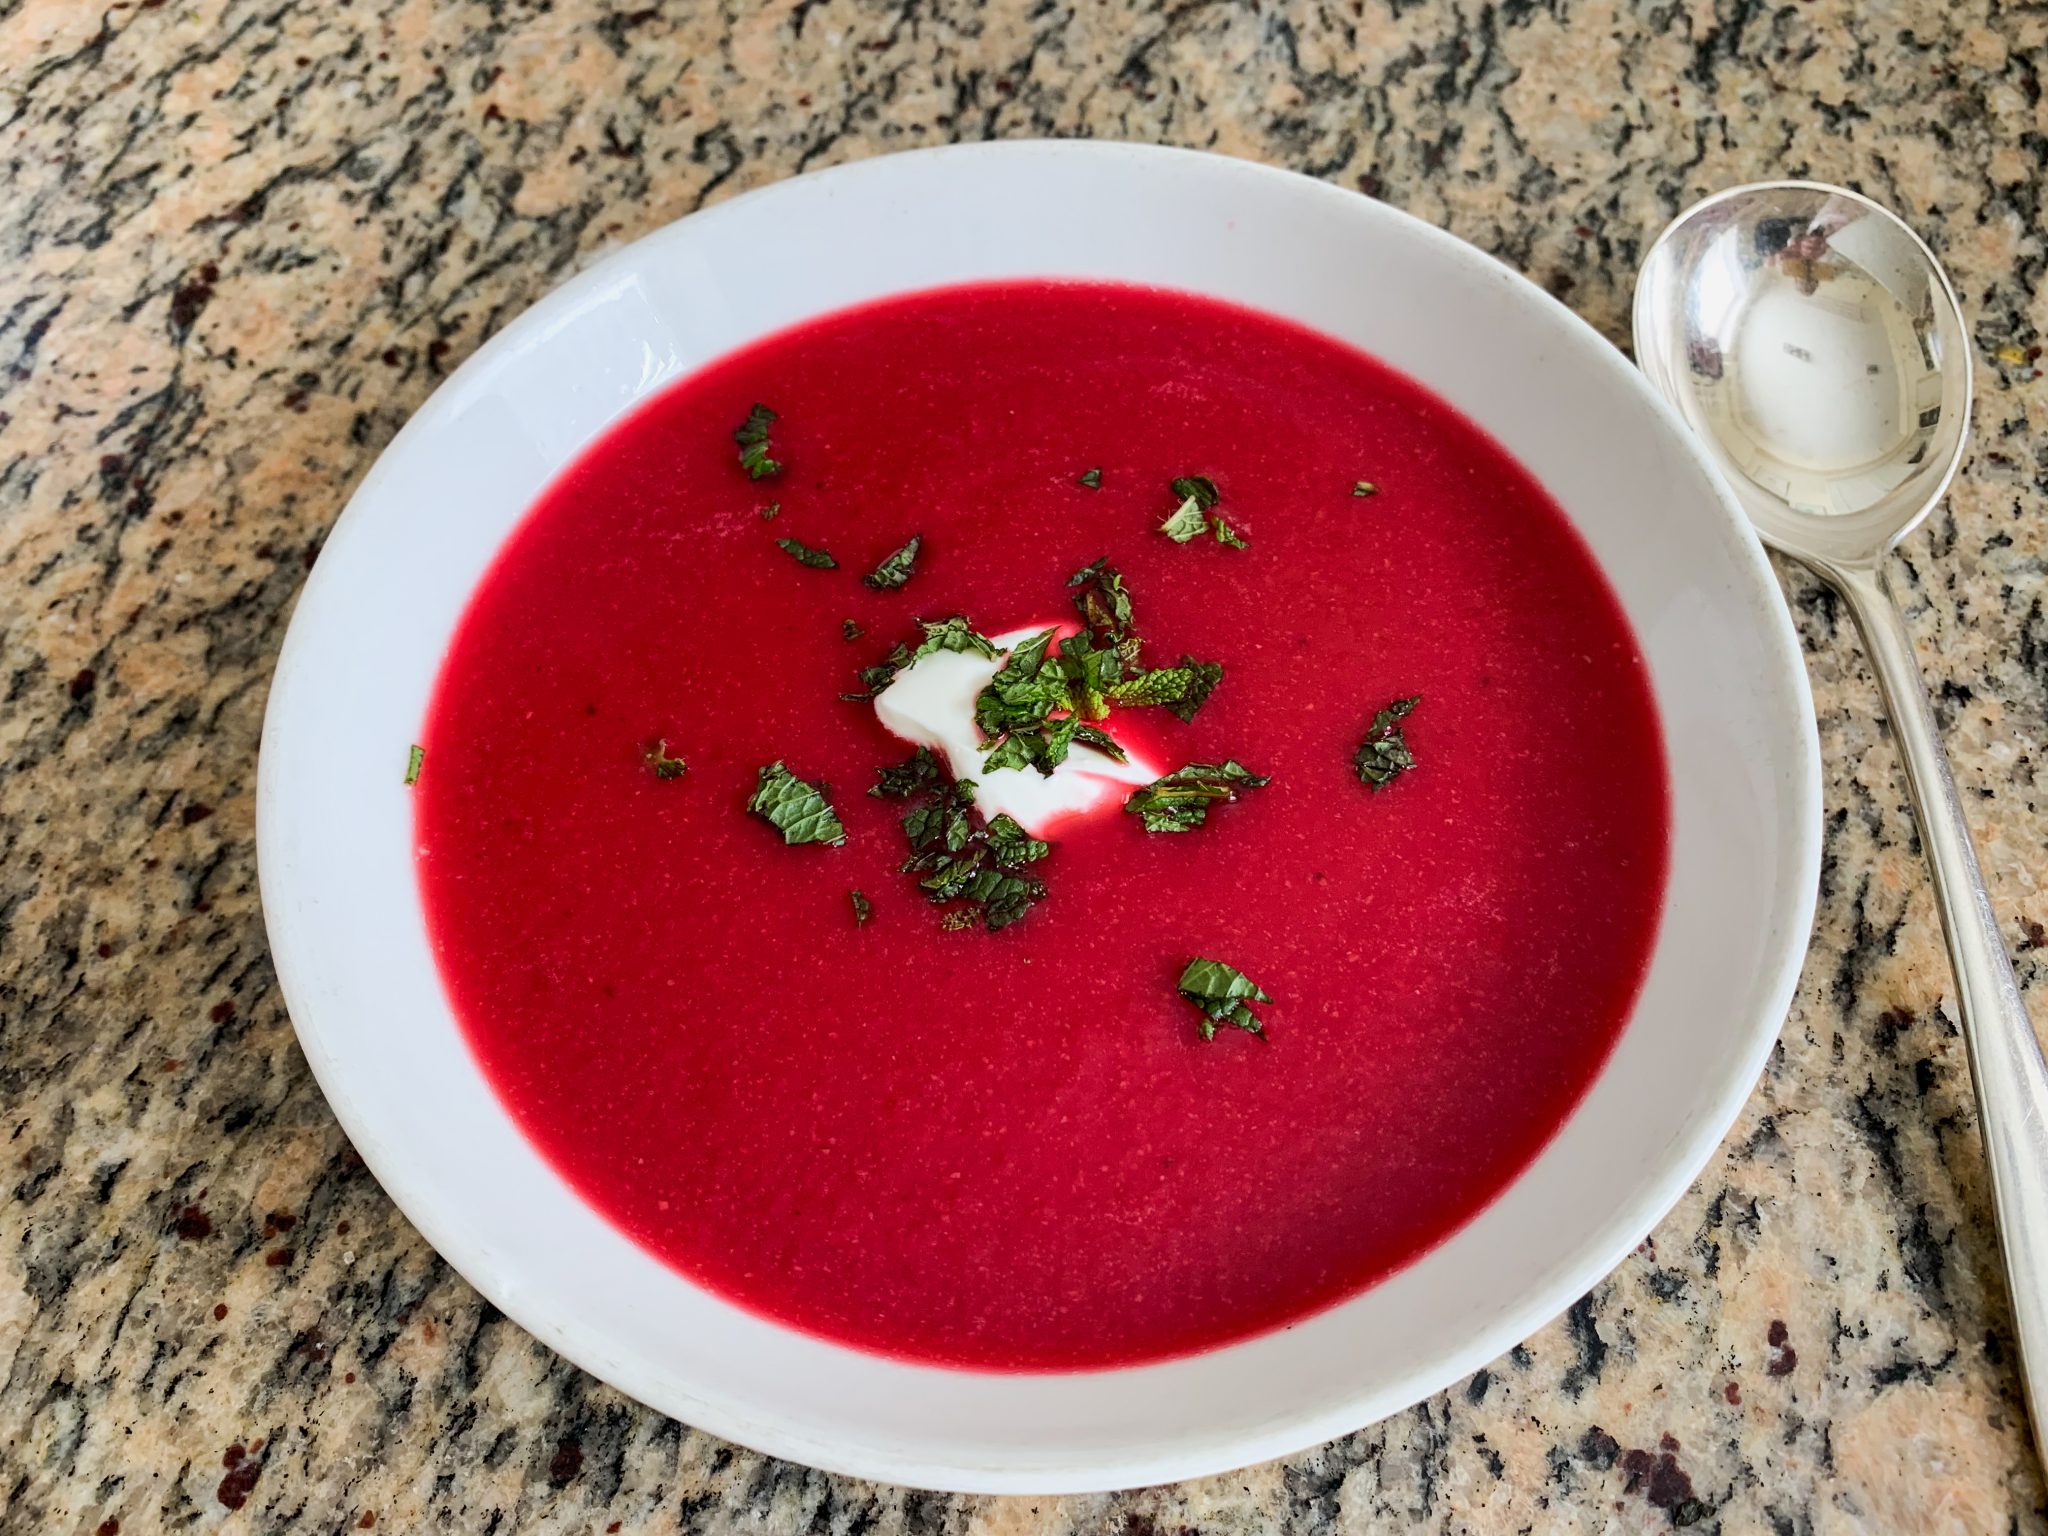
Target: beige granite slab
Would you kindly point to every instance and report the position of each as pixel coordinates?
(240, 242)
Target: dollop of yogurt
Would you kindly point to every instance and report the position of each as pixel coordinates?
(931, 703)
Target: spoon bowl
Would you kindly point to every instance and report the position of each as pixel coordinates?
(1813, 343)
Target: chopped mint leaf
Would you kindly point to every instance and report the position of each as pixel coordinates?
(770, 512)
(1092, 478)
(1224, 994)
(1101, 741)
(1011, 845)
(1041, 701)
(752, 436)
(863, 909)
(1203, 676)
(413, 760)
(1003, 897)
(1186, 522)
(915, 774)
(1009, 899)
(1016, 710)
(1365, 488)
(1037, 746)
(664, 766)
(1090, 674)
(895, 570)
(1026, 660)
(1014, 750)
(879, 676)
(803, 554)
(957, 859)
(1182, 689)
(1057, 738)
(897, 659)
(1104, 604)
(848, 630)
(1384, 756)
(1163, 685)
(954, 634)
(1180, 802)
(1021, 692)
(1196, 514)
(942, 826)
(799, 811)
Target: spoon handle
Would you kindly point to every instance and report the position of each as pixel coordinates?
(2005, 1055)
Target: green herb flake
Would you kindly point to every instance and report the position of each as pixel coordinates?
(954, 634)
(1011, 845)
(996, 896)
(803, 554)
(1180, 802)
(879, 676)
(863, 909)
(1013, 751)
(1101, 741)
(770, 512)
(848, 630)
(664, 766)
(942, 827)
(895, 570)
(752, 436)
(957, 859)
(915, 774)
(1195, 515)
(1091, 478)
(799, 811)
(1182, 689)
(1091, 671)
(1223, 994)
(1043, 700)
(1365, 488)
(1016, 711)
(1384, 756)
(1186, 522)
(414, 758)
(1011, 897)
(1105, 607)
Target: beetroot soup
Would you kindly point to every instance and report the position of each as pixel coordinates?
(989, 1131)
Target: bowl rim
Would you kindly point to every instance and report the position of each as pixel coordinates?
(1599, 1251)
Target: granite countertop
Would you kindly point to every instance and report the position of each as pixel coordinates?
(243, 241)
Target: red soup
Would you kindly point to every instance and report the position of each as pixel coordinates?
(1015, 1149)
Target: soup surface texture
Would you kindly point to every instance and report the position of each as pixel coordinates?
(1013, 1150)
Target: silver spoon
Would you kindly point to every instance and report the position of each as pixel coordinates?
(1814, 344)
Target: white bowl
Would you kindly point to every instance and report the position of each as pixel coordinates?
(334, 821)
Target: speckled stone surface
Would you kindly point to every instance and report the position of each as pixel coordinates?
(240, 242)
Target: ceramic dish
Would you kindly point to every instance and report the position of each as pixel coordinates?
(344, 910)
